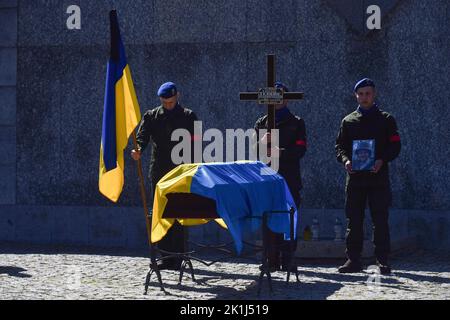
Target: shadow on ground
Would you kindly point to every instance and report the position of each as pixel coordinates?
(206, 283)
(14, 271)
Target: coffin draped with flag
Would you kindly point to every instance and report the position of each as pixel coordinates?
(242, 191)
(121, 115)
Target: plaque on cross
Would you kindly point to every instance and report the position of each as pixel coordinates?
(270, 95)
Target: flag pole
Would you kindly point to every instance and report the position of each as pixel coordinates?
(144, 200)
(153, 263)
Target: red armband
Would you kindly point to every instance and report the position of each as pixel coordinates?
(394, 138)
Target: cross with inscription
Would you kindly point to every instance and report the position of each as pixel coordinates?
(270, 95)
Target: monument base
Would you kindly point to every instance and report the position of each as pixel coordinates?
(329, 248)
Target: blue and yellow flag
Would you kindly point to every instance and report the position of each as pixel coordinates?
(242, 194)
(121, 115)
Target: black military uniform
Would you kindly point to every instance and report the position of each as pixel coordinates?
(292, 142)
(372, 124)
(157, 125)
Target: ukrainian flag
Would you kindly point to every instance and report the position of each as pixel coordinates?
(241, 193)
(121, 115)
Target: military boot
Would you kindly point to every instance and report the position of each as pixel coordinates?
(350, 266)
(384, 266)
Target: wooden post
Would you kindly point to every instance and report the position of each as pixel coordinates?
(144, 198)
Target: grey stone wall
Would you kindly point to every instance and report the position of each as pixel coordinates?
(8, 76)
(214, 50)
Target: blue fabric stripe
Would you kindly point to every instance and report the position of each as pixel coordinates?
(114, 73)
(109, 120)
(240, 191)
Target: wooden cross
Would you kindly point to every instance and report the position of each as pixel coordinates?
(270, 95)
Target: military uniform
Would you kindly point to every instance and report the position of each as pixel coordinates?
(292, 142)
(363, 186)
(157, 126)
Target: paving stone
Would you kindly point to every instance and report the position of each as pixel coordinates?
(55, 275)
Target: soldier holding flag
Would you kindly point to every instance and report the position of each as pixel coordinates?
(157, 126)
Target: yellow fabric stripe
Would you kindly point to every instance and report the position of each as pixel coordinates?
(176, 181)
(128, 116)
(127, 101)
(110, 183)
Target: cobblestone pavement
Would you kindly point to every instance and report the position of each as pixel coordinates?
(50, 274)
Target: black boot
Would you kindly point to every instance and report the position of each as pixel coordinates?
(384, 266)
(350, 266)
(271, 268)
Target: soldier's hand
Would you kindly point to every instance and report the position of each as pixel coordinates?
(377, 166)
(348, 166)
(136, 154)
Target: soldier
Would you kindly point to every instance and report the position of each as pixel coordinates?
(368, 122)
(158, 124)
(292, 147)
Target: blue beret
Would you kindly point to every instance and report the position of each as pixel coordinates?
(280, 84)
(366, 82)
(167, 90)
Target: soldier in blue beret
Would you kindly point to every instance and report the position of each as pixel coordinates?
(368, 124)
(157, 126)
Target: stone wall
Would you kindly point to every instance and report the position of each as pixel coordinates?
(213, 50)
(8, 80)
